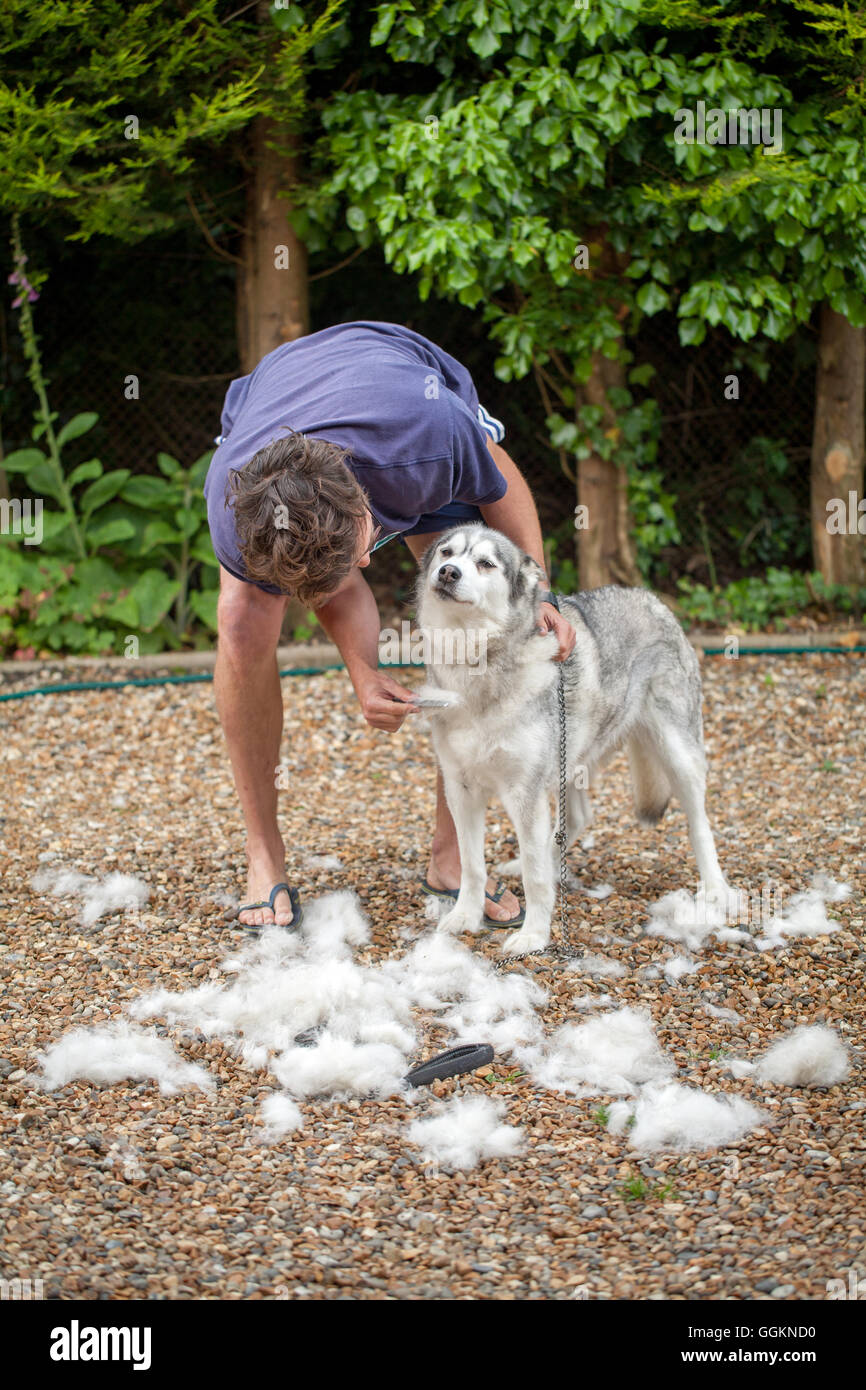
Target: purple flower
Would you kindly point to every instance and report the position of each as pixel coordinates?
(19, 278)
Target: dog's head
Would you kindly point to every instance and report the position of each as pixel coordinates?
(477, 576)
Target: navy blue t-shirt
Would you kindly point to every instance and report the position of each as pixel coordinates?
(406, 411)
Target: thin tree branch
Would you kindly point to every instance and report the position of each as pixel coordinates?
(215, 247)
(332, 270)
(541, 374)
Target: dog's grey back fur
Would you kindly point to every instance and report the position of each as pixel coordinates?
(637, 648)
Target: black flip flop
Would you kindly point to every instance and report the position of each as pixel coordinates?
(494, 897)
(294, 899)
(452, 1063)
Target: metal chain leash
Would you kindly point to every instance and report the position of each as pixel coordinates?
(564, 952)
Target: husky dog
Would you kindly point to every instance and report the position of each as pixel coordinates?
(632, 680)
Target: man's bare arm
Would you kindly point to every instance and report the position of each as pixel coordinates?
(351, 620)
(515, 516)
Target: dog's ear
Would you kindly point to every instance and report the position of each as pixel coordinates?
(526, 577)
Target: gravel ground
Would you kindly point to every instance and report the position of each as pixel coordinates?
(122, 1192)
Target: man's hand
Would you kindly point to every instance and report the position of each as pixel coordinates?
(550, 620)
(384, 703)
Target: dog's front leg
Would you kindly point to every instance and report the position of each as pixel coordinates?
(467, 808)
(531, 819)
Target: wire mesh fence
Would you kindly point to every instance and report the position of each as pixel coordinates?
(155, 360)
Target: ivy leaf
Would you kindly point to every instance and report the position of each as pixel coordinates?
(651, 298)
(788, 230)
(286, 18)
(483, 42)
(547, 131)
(383, 26)
(812, 248)
(642, 375)
(692, 332)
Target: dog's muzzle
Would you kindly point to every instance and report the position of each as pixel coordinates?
(447, 578)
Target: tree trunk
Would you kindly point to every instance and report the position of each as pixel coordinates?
(838, 447)
(604, 550)
(272, 289)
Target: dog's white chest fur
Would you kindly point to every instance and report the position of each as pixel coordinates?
(493, 741)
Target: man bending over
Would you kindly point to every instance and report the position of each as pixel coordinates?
(335, 444)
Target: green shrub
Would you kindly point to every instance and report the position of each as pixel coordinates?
(756, 602)
(763, 513)
(120, 555)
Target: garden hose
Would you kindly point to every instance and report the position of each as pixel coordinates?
(63, 688)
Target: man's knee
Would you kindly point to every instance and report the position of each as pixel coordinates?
(248, 620)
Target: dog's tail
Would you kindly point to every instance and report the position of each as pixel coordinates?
(652, 788)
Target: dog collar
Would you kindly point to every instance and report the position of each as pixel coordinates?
(550, 597)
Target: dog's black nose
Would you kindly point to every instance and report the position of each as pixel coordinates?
(448, 574)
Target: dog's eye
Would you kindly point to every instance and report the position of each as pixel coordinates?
(485, 564)
(446, 553)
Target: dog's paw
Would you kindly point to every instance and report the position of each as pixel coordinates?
(455, 923)
(720, 902)
(518, 942)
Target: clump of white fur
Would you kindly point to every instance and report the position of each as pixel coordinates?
(280, 1115)
(358, 1019)
(118, 1052)
(691, 919)
(464, 1132)
(806, 913)
(610, 1054)
(672, 1116)
(341, 1067)
(475, 1001)
(115, 893)
(688, 918)
(678, 966)
(286, 984)
(599, 967)
(809, 1056)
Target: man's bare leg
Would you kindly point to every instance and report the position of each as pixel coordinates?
(250, 705)
(443, 869)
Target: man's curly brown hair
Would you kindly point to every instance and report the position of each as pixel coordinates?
(297, 512)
